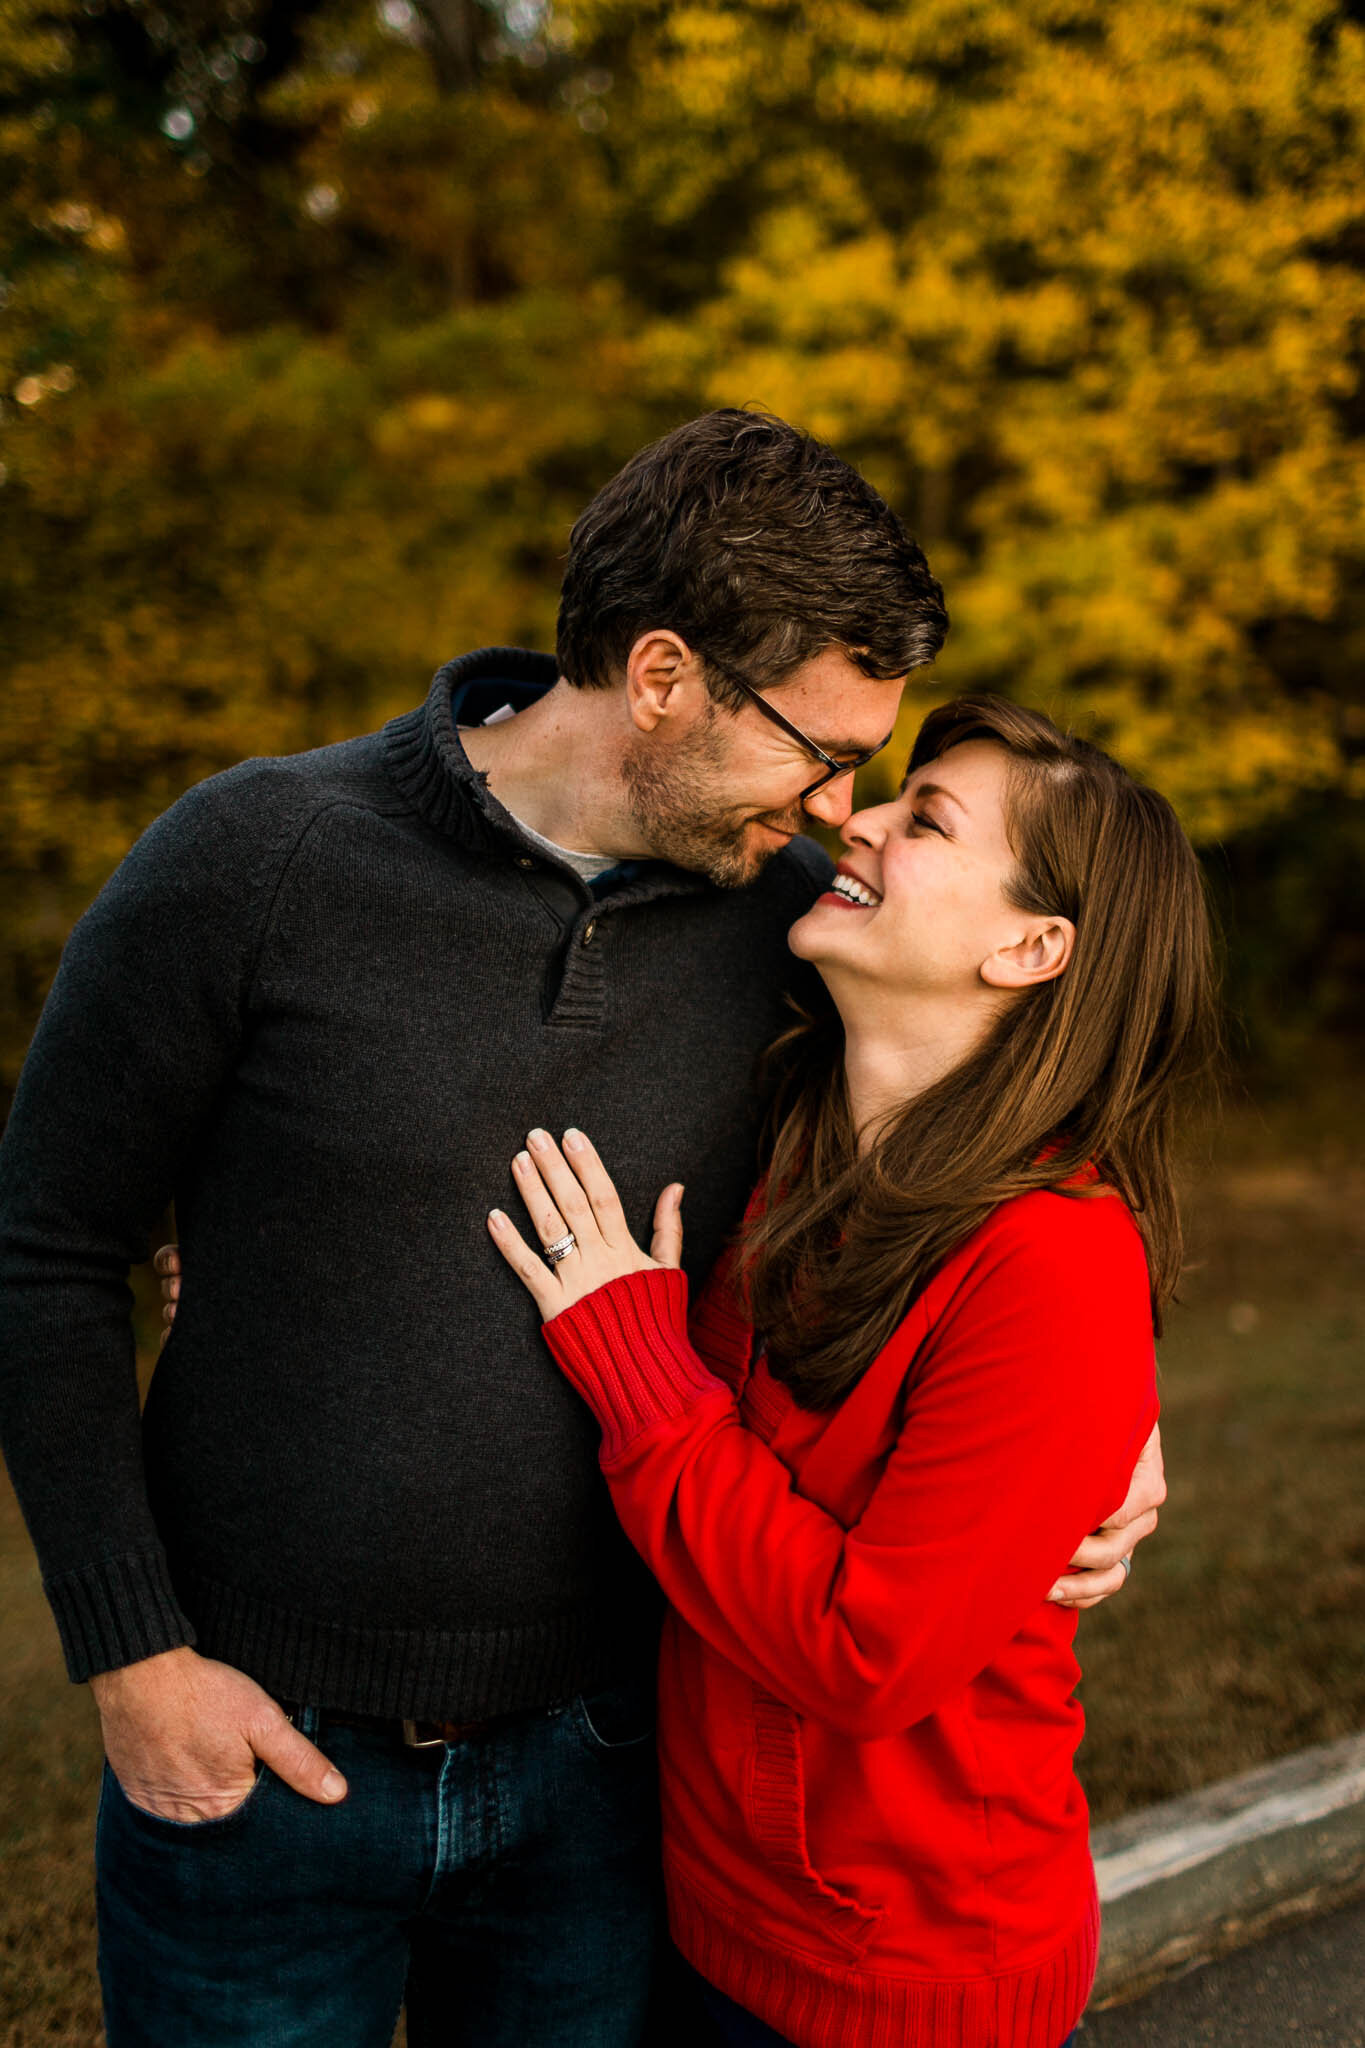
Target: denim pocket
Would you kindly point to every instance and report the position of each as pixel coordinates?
(617, 1717)
(112, 1791)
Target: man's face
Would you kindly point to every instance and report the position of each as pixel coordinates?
(725, 796)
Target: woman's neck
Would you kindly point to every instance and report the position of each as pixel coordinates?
(890, 1061)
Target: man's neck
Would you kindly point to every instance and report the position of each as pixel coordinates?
(555, 766)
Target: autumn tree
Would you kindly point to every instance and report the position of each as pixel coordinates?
(324, 319)
(314, 349)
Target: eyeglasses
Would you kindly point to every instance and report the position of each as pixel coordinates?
(833, 769)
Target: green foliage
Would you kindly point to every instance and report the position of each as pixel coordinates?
(322, 321)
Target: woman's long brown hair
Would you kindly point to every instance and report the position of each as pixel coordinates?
(1077, 1073)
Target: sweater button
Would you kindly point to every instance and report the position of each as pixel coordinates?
(588, 931)
(524, 861)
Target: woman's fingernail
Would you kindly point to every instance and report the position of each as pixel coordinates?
(522, 1159)
(539, 1137)
(496, 1218)
(1056, 1592)
(574, 1141)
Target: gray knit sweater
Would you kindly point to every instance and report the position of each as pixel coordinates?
(320, 1004)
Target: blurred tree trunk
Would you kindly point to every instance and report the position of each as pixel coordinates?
(454, 29)
(454, 32)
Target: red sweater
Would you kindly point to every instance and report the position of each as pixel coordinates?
(873, 1833)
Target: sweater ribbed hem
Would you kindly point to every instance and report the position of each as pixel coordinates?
(115, 1613)
(818, 2005)
(625, 1348)
(458, 1674)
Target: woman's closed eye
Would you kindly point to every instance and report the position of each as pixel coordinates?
(929, 824)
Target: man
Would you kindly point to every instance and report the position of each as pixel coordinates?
(372, 1660)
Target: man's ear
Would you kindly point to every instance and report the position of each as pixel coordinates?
(664, 681)
(1041, 955)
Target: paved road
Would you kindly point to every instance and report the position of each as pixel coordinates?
(1305, 1987)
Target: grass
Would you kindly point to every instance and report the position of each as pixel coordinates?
(49, 1763)
(1238, 1641)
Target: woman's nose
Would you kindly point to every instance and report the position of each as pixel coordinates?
(866, 827)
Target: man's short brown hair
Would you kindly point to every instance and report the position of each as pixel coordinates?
(759, 546)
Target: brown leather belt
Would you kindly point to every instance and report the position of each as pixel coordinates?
(412, 1734)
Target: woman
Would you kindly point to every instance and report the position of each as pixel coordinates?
(923, 1374)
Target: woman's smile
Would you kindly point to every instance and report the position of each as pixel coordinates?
(849, 890)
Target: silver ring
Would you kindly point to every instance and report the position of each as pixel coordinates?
(560, 1249)
(1127, 1564)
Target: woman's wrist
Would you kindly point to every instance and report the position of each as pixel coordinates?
(626, 1349)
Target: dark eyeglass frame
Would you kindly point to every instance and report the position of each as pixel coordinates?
(833, 769)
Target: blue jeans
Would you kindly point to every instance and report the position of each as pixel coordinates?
(739, 2029)
(506, 1886)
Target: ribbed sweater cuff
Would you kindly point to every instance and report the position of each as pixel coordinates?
(625, 1347)
(116, 1613)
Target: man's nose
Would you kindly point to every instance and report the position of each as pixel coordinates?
(833, 803)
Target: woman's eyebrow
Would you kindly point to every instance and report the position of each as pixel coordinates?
(937, 789)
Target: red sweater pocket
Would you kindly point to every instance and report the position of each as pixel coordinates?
(775, 1801)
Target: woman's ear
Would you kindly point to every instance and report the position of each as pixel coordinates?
(1041, 955)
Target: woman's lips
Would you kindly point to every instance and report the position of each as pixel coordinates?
(844, 902)
(849, 887)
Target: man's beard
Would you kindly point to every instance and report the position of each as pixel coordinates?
(673, 801)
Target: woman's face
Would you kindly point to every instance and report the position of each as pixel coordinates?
(919, 905)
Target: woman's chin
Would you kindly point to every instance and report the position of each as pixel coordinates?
(814, 934)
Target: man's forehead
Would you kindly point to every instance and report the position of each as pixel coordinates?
(837, 704)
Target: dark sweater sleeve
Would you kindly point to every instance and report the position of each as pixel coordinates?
(138, 1034)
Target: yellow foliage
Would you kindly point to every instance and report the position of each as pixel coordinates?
(1099, 340)
(1080, 286)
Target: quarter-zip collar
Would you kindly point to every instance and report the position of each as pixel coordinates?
(427, 761)
(424, 757)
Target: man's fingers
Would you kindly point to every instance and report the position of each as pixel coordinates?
(666, 1244)
(1097, 1570)
(298, 1761)
(1146, 1489)
(1108, 1545)
(1086, 1589)
(177, 1801)
(167, 1264)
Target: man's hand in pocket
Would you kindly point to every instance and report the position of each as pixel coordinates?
(185, 1737)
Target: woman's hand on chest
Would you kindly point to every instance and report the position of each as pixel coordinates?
(577, 1216)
